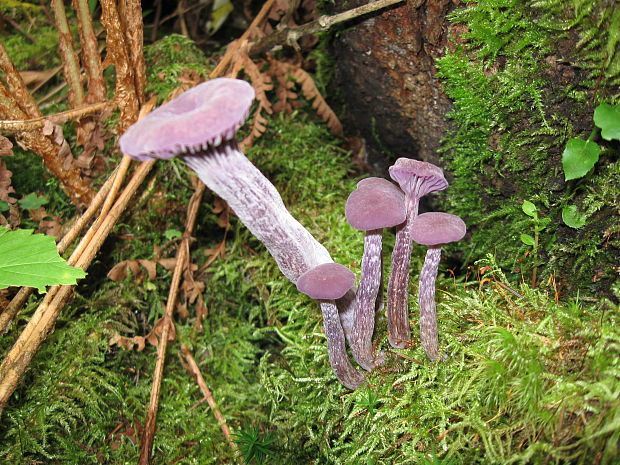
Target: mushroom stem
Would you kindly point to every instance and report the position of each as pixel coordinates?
(338, 359)
(225, 170)
(426, 301)
(367, 291)
(399, 330)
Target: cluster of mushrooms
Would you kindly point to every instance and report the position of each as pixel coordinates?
(199, 126)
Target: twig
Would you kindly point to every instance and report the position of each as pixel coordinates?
(22, 98)
(231, 51)
(292, 34)
(71, 181)
(182, 257)
(18, 28)
(134, 37)
(17, 360)
(70, 62)
(91, 58)
(12, 127)
(206, 392)
(125, 92)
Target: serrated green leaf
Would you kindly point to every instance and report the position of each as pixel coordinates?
(4, 206)
(32, 260)
(579, 157)
(32, 202)
(572, 217)
(607, 117)
(527, 239)
(529, 209)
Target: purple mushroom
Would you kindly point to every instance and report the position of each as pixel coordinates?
(199, 126)
(374, 205)
(326, 283)
(433, 230)
(416, 179)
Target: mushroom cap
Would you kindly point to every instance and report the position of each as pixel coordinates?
(204, 115)
(416, 177)
(328, 281)
(376, 203)
(437, 228)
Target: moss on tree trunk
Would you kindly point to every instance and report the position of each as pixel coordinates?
(522, 78)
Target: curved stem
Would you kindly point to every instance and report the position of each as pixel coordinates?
(345, 372)
(257, 203)
(368, 289)
(399, 330)
(426, 300)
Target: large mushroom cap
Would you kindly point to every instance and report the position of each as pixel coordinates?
(328, 281)
(204, 115)
(417, 177)
(375, 204)
(437, 228)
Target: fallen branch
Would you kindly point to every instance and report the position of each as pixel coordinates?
(291, 35)
(192, 367)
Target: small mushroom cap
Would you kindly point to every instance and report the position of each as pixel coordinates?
(204, 115)
(417, 177)
(376, 203)
(328, 281)
(437, 228)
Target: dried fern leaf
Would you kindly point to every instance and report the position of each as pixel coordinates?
(262, 83)
(311, 92)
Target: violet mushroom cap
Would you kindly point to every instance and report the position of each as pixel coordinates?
(375, 204)
(325, 283)
(416, 178)
(199, 126)
(433, 229)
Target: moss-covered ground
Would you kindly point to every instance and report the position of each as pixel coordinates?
(525, 377)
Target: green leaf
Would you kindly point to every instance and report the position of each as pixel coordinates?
(572, 217)
(527, 239)
(32, 202)
(32, 260)
(579, 157)
(172, 234)
(607, 117)
(529, 209)
(4, 206)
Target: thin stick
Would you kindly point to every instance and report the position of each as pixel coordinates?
(17, 360)
(234, 46)
(181, 263)
(71, 64)
(11, 127)
(292, 34)
(206, 392)
(91, 58)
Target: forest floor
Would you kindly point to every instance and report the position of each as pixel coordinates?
(525, 376)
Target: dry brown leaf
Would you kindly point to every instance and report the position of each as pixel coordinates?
(310, 91)
(155, 334)
(6, 189)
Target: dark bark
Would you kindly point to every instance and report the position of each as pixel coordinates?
(385, 72)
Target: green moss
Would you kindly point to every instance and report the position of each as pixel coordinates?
(170, 60)
(525, 380)
(515, 105)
